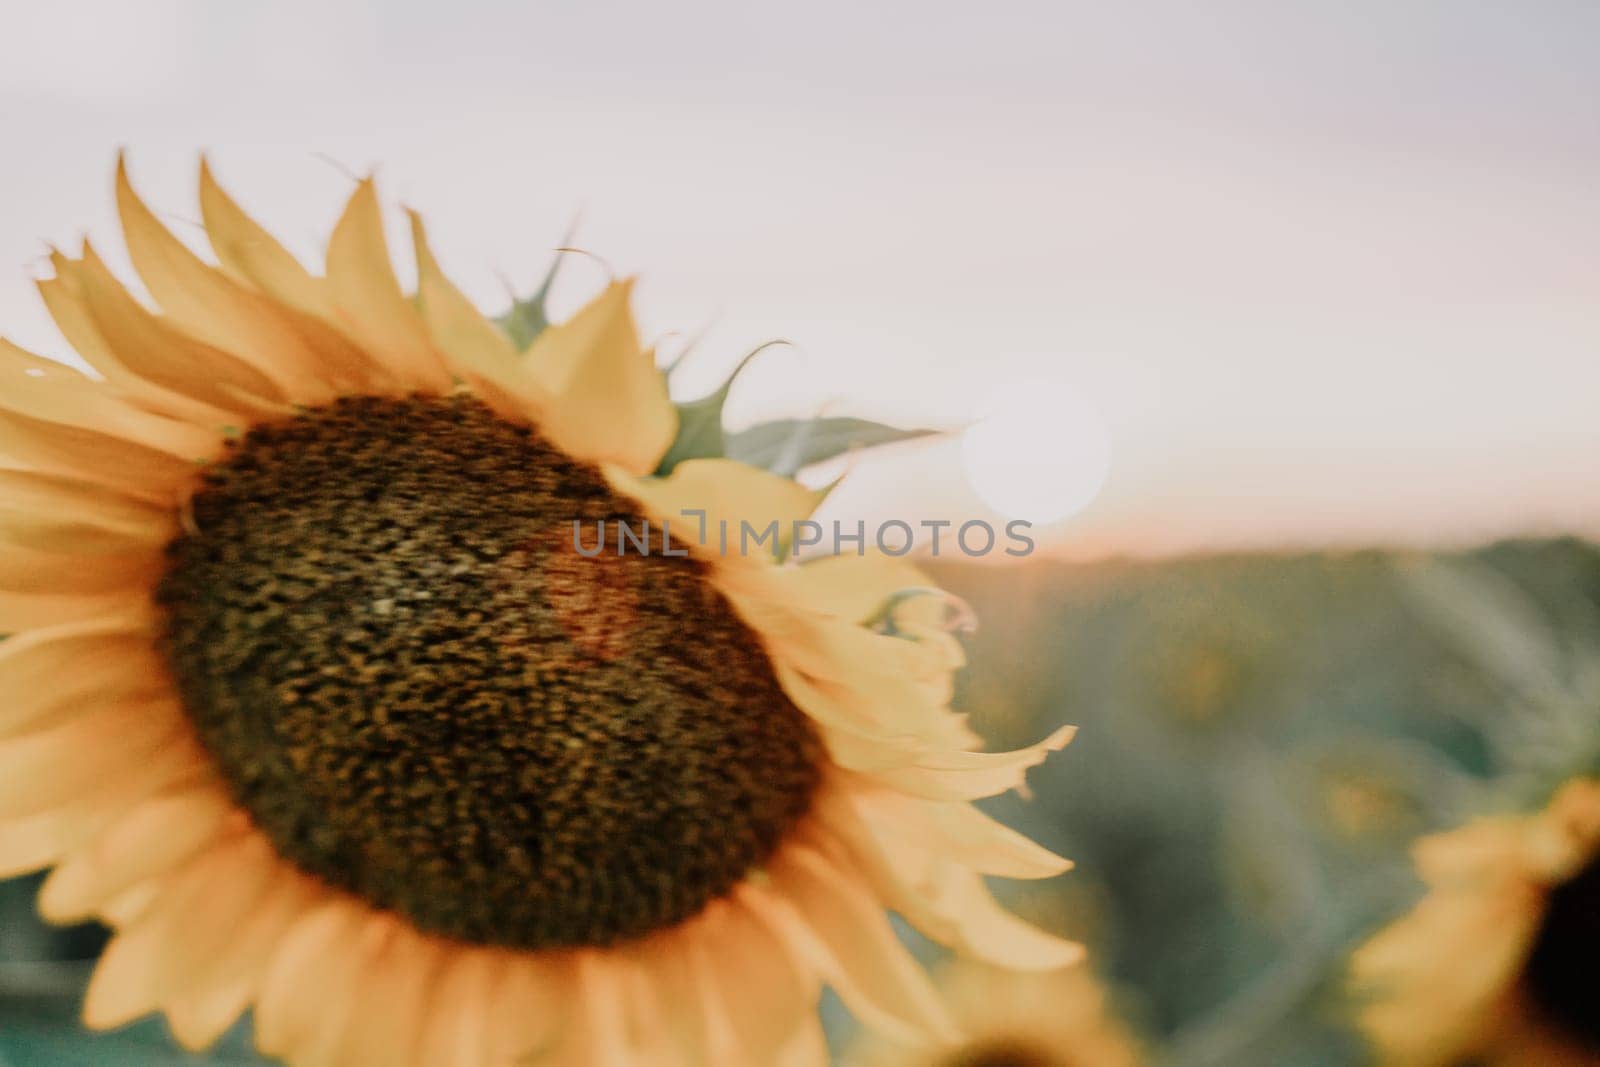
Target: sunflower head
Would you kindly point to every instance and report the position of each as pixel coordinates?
(1500, 948)
(325, 702)
(581, 695)
(1061, 1018)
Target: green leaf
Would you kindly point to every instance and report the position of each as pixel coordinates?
(700, 434)
(528, 317)
(524, 321)
(786, 445)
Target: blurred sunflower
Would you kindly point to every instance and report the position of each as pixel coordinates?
(1497, 961)
(314, 699)
(1056, 1019)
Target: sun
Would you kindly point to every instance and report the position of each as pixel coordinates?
(1040, 451)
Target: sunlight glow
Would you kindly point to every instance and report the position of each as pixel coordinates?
(1041, 451)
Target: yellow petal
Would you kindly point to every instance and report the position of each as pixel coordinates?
(970, 775)
(809, 1048)
(65, 300)
(674, 998)
(838, 650)
(944, 899)
(46, 511)
(251, 255)
(157, 957)
(30, 611)
(852, 678)
(990, 932)
(532, 1007)
(389, 994)
(712, 1021)
(155, 351)
(455, 1029)
(767, 995)
(289, 896)
(368, 299)
(336, 1016)
(249, 252)
(843, 930)
(76, 501)
(1484, 848)
(720, 508)
(29, 842)
(595, 1033)
(474, 345)
(307, 974)
(93, 457)
(149, 839)
(37, 839)
(21, 361)
(861, 736)
(209, 306)
(28, 570)
(960, 832)
(126, 907)
(48, 767)
(200, 1017)
(1565, 837)
(856, 587)
(61, 672)
(610, 401)
(476, 349)
(62, 396)
(661, 1007)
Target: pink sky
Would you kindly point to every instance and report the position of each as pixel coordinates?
(1330, 274)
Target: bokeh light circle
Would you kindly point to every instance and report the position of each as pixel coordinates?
(1039, 451)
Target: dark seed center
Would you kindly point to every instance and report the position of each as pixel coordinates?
(423, 695)
(1002, 1054)
(1560, 973)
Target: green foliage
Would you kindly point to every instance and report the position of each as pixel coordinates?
(529, 316)
(524, 321)
(700, 432)
(784, 446)
(1261, 740)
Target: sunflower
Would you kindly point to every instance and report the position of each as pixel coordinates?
(1497, 961)
(1011, 1019)
(317, 700)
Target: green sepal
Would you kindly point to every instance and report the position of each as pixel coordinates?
(527, 319)
(528, 316)
(700, 433)
(785, 446)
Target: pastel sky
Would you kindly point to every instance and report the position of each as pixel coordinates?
(1330, 271)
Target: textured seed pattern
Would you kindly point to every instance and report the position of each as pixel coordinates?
(423, 695)
(1560, 969)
